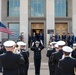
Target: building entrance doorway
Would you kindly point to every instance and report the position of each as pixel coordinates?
(37, 28)
(60, 28)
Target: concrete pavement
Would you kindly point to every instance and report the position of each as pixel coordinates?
(44, 69)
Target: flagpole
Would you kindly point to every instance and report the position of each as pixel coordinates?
(0, 17)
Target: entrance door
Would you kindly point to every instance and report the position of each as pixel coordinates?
(60, 28)
(37, 27)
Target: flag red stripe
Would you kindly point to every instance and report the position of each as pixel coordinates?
(6, 30)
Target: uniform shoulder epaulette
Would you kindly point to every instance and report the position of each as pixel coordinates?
(54, 52)
(61, 59)
(72, 58)
(2, 54)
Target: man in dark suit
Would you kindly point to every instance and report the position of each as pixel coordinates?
(67, 64)
(68, 39)
(37, 56)
(33, 38)
(72, 39)
(25, 53)
(64, 37)
(57, 37)
(41, 37)
(56, 56)
(9, 60)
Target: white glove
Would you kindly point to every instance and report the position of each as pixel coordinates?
(32, 43)
(41, 42)
(39, 49)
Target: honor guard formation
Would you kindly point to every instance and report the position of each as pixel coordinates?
(14, 57)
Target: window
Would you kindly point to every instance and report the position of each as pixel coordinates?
(15, 28)
(37, 8)
(60, 8)
(13, 8)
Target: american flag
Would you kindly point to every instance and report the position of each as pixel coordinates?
(5, 29)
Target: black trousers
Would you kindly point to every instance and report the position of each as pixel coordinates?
(0, 67)
(37, 64)
(51, 68)
(26, 68)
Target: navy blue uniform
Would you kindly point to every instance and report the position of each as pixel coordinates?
(37, 58)
(74, 53)
(1, 52)
(24, 67)
(49, 52)
(11, 63)
(66, 66)
(54, 59)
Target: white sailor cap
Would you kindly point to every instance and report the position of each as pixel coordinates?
(54, 42)
(67, 49)
(61, 43)
(37, 42)
(56, 45)
(9, 43)
(21, 43)
(74, 44)
(51, 43)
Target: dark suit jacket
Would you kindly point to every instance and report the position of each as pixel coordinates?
(64, 37)
(10, 63)
(66, 66)
(57, 38)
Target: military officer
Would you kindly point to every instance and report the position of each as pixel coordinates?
(25, 53)
(9, 60)
(74, 51)
(56, 56)
(37, 56)
(49, 52)
(66, 66)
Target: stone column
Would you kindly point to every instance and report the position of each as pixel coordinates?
(74, 16)
(50, 21)
(24, 19)
(0, 17)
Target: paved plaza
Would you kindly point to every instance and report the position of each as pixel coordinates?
(44, 69)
